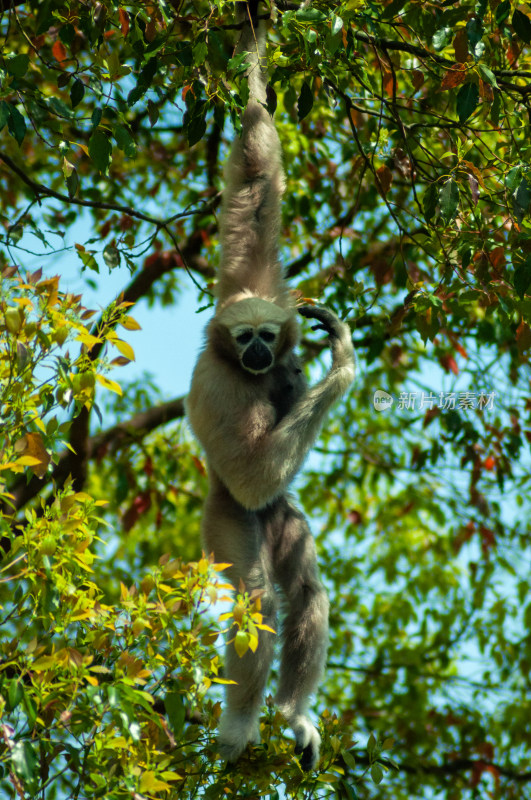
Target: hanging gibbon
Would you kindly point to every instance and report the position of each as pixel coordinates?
(251, 409)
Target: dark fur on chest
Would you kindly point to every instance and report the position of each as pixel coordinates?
(288, 385)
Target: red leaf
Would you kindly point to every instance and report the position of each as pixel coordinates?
(139, 506)
(124, 21)
(489, 463)
(449, 364)
(59, 51)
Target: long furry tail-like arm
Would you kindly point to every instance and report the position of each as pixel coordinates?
(250, 221)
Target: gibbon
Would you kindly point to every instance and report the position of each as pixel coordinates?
(252, 411)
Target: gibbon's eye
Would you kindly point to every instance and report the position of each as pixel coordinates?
(267, 336)
(245, 337)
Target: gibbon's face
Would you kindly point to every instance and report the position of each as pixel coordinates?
(256, 345)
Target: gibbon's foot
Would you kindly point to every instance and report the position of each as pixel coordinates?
(327, 319)
(307, 742)
(236, 731)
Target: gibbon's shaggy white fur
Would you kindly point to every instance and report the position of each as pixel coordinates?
(256, 418)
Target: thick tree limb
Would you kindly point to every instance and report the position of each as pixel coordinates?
(111, 439)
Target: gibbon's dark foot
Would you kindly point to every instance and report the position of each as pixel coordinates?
(307, 756)
(327, 319)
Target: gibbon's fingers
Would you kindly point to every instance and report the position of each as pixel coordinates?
(327, 319)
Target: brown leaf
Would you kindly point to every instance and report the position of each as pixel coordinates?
(461, 45)
(384, 178)
(417, 78)
(455, 76)
(474, 188)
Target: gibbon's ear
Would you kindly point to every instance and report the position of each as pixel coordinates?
(221, 341)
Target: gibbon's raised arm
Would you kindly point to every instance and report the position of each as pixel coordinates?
(254, 178)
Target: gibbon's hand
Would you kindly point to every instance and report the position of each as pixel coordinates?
(328, 321)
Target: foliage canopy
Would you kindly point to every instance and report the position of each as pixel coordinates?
(406, 133)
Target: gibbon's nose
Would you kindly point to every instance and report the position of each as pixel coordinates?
(257, 357)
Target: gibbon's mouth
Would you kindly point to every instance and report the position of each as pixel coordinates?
(257, 358)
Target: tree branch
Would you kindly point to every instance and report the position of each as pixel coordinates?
(44, 191)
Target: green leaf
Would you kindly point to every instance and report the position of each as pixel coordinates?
(89, 262)
(522, 278)
(16, 124)
(194, 119)
(429, 201)
(96, 116)
(144, 81)
(522, 195)
(449, 200)
(4, 113)
(24, 760)
(522, 26)
(125, 141)
(467, 100)
(111, 256)
(376, 773)
(475, 31)
(337, 24)
(72, 183)
(502, 12)
(77, 92)
(442, 37)
(100, 150)
(153, 112)
(18, 65)
(310, 15)
(305, 102)
(488, 75)
(176, 711)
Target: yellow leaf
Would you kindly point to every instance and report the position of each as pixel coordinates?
(43, 663)
(87, 339)
(34, 453)
(27, 461)
(150, 783)
(111, 385)
(125, 349)
(130, 324)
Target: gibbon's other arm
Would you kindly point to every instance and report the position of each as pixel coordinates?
(254, 185)
(256, 458)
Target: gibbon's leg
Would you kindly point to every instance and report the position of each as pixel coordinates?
(235, 535)
(305, 628)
